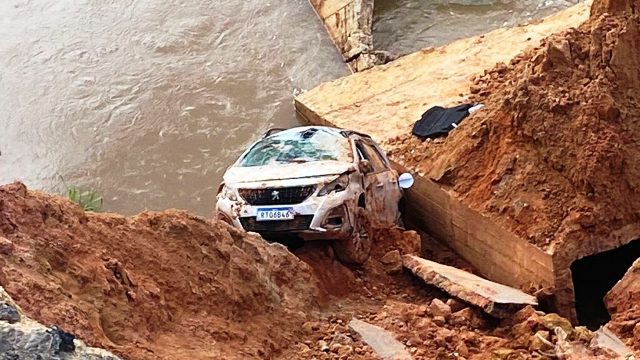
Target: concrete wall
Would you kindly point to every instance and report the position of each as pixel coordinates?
(349, 23)
(494, 252)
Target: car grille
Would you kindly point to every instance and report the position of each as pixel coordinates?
(277, 196)
(300, 222)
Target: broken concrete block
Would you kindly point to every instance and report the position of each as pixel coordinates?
(605, 339)
(495, 299)
(626, 293)
(380, 340)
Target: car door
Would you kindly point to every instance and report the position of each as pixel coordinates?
(382, 193)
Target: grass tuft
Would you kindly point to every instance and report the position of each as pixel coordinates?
(89, 200)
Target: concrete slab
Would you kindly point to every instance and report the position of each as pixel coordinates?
(380, 340)
(495, 299)
(605, 339)
(386, 100)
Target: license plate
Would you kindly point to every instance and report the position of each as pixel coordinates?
(274, 214)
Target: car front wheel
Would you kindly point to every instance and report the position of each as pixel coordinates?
(355, 250)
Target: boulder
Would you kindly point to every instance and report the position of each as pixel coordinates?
(24, 339)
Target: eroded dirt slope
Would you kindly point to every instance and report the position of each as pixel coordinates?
(159, 285)
(554, 156)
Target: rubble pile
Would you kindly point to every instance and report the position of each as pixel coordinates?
(159, 285)
(554, 154)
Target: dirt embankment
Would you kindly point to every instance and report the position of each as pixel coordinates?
(554, 155)
(170, 285)
(159, 285)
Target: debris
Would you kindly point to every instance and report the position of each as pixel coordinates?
(606, 339)
(438, 308)
(392, 262)
(382, 342)
(495, 299)
(553, 321)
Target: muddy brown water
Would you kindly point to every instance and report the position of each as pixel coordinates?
(405, 26)
(149, 101)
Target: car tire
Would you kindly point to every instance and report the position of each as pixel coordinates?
(355, 250)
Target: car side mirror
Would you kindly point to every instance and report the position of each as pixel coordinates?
(405, 181)
(365, 167)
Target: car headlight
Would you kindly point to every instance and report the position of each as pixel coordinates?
(337, 185)
(227, 193)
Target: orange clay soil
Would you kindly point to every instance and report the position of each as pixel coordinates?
(159, 285)
(168, 285)
(554, 156)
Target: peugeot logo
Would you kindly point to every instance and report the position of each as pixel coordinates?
(275, 195)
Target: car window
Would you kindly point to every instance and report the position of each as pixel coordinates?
(380, 155)
(368, 152)
(299, 146)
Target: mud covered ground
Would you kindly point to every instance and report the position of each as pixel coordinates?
(554, 154)
(174, 286)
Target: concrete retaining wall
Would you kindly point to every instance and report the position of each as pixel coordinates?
(494, 252)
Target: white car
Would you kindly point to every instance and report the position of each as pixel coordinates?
(314, 182)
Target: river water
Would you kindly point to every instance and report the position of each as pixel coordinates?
(405, 26)
(149, 101)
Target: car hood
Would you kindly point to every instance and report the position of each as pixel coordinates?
(238, 174)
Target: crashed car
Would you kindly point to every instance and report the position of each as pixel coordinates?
(314, 182)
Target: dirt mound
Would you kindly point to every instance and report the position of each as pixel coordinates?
(159, 285)
(554, 155)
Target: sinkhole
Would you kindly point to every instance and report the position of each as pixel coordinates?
(593, 276)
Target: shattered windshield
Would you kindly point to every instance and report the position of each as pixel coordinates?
(301, 146)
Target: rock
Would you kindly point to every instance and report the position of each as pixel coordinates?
(439, 320)
(9, 313)
(502, 354)
(392, 262)
(467, 317)
(345, 350)
(540, 342)
(462, 349)
(6, 246)
(307, 328)
(323, 346)
(455, 305)
(438, 308)
(582, 334)
(23, 338)
(552, 321)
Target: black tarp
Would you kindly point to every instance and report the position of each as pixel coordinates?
(438, 121)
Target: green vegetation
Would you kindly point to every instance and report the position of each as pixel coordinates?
(89, 200)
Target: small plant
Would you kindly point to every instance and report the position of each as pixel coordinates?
(89, 200)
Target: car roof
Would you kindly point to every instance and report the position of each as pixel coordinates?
(327, 129)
